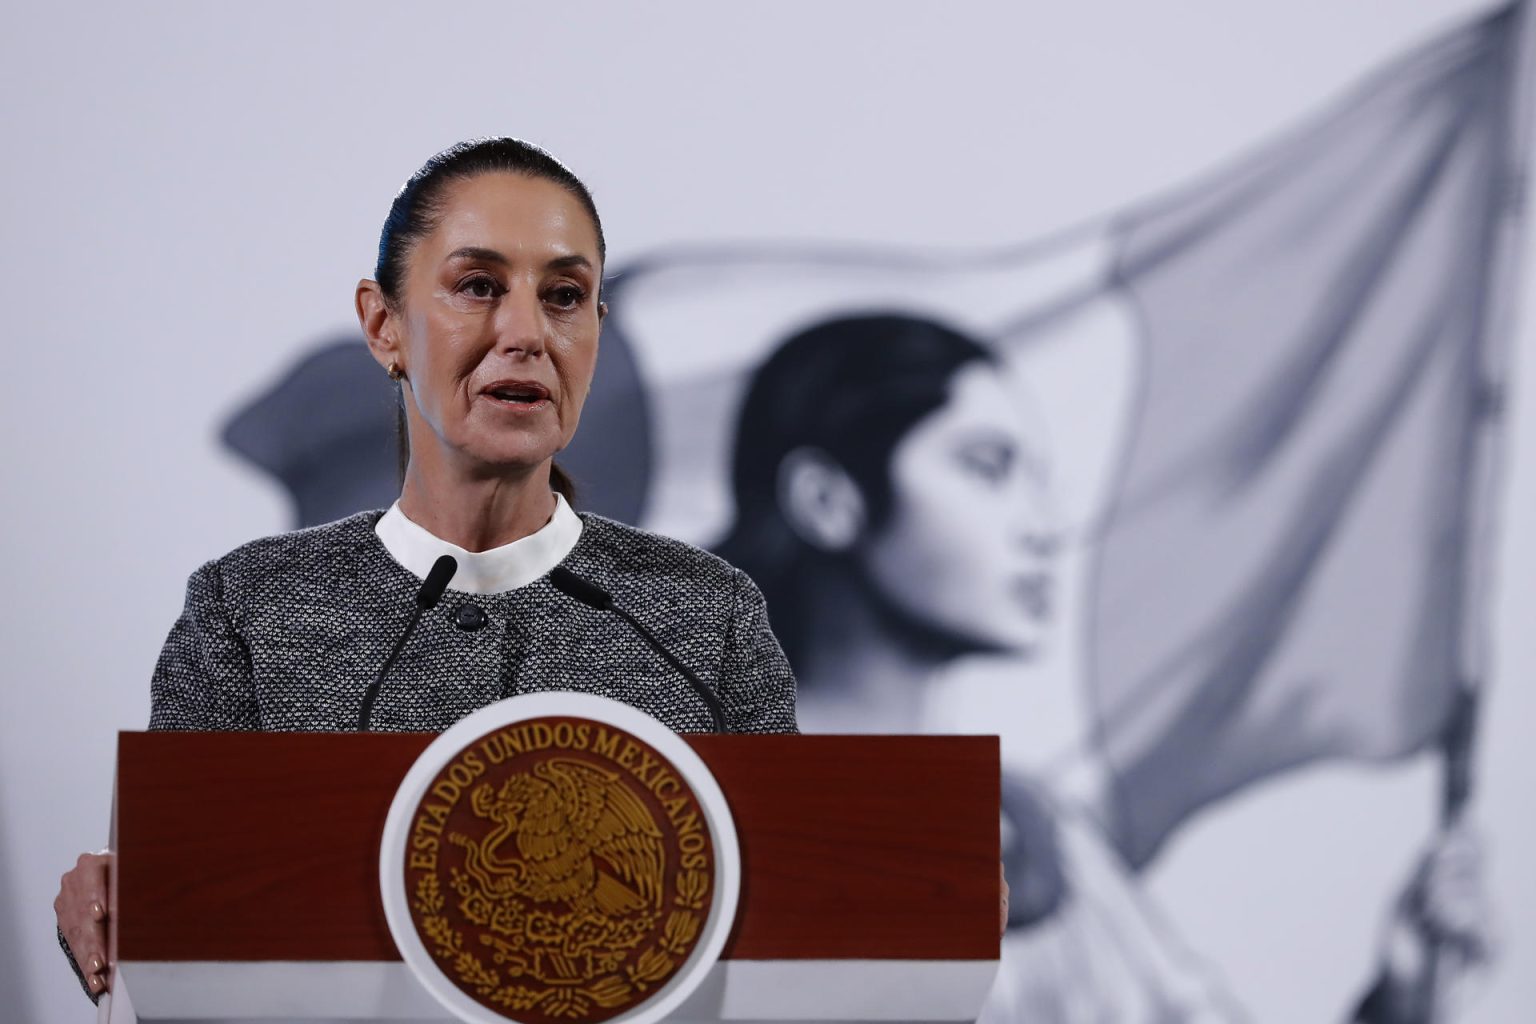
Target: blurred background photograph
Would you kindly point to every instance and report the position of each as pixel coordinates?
(1140, 383)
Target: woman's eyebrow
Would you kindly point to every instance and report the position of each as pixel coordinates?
(479, 254)
(566, 262)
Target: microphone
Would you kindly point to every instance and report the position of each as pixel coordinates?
(427, 597)
(594, 596)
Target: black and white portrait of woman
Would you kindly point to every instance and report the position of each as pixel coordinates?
(891, 500)
(891, 481)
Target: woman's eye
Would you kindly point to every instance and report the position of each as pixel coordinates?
(481, 288)
(566, 296)
(990, 462)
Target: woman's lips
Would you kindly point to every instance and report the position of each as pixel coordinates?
(1033, 591)
(517, 395)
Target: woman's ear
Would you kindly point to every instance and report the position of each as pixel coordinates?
(379, 324)
(819, 500)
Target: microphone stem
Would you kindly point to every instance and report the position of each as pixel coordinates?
(716, 709)
(365, 716)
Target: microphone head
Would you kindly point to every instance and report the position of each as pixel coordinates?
(588, 593)
(436, 582)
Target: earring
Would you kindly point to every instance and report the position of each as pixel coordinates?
(394, 371)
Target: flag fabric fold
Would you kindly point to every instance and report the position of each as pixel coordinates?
(1279, 578)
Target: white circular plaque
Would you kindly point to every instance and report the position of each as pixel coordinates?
(519, 877)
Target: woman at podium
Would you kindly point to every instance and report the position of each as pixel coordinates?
(485, 308)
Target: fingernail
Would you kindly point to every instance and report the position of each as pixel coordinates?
(98, 911)
(93, 983)
(97, 965)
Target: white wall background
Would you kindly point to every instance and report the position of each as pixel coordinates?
(191, 190)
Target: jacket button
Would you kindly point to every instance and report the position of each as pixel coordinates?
(469, 618)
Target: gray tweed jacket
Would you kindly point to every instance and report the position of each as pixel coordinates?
(286, 633)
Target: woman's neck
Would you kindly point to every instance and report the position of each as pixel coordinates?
(476, 512)
(856, 673)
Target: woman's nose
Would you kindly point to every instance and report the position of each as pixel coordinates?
(1037, 529)
(521, 325)
(1040, 543)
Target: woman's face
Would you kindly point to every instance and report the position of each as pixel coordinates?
(966, 550)
(498, 322)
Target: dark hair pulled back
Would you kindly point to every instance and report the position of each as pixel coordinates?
(418, 205)
(852, 388)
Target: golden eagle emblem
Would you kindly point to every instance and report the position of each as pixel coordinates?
(570, 894)
(567, 832)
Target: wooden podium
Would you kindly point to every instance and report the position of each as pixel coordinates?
(246, 880)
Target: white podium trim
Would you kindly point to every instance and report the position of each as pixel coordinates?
(734, 990)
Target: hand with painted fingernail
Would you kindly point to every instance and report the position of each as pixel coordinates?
(81, 909)
(1002, 899)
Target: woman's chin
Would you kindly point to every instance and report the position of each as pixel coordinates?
(1030, 651)
(509, 460)
(512, 441)
(1012, 642)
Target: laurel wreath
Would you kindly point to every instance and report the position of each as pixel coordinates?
(650, 967)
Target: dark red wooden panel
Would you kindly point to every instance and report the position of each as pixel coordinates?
(264, 846)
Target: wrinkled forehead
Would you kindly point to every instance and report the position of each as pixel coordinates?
(521, 217)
